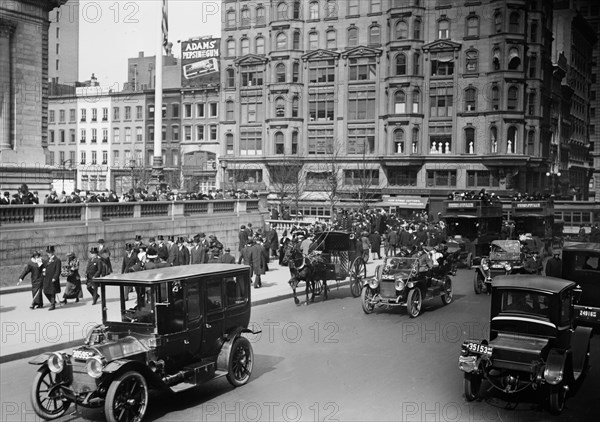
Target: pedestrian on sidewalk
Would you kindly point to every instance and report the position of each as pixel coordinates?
(51, 277)
(34, 267)
(227, 258)
(94, 269)
(104, 253)
(71, 271)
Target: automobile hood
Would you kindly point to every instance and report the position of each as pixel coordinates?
(519, 347)
(111, 350)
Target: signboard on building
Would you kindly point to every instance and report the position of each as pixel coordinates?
(529, 205)
(200, 62)
(461, 205)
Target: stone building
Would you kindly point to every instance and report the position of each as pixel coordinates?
(63, 44)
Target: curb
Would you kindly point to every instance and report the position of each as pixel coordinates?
(73, 343)
(25, 288)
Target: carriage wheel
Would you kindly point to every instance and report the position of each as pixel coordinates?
(357, 272)
(318, 287)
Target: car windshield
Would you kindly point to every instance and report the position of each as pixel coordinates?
(130, 304)
(400, 263)
(587, 262)
(525, 302)
(506, 247)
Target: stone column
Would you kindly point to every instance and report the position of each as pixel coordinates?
(6, 30)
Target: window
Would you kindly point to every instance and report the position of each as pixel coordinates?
(138, 134)
(252, 76)
(321, 71)
(402, 177)
(116, 132)
(495, 98)
(72, 136)
(231, 19)
(295, 72)
(470, 140)
(417, 29)
(416, 64)
(83, 115)
(295, 106)
(83, 136)
(512, 98)
(320, 141)
(514, 22)
(138, 112)
(245, 44)
(251, 142)
(498, 22)
(57, 32)
(187, 133)
(531, 103)
(282, 12)
(104, 157)
(352, 37)
(94, 135)
(213, 132)
(83, 158)
(260, 45)
(533, 30)
(175, 133)
(296, 9)
(331, 41)
(401, 64)
(440, 100)
(313, 40)
(164, 133)
(116, 159)
(151, 111)
(57, 64)
(61, 116)
(252, 110)
(52, 136)
(72, 115)
(281, 41)
(441, 178)
(361, 105)
(331, 9)
(511, 140)
(471, 61)
(472, 26)
(401, 30)
(94, 114)
(514, 60)
(229, 144)
(530, 142)
(470, 99)
(187, 111)
(321, 106)
(199, 110)
(361, 177)
(296, 41)
(229, 111)
(399, 102)
(494, 139)
(127, 113)
(245, 16)
(496, 59)
(375, 6)
(443, 29)
(399, 141)
(313, 10)
(352, 7)
(213, 109)
(279, 107)
(363, 69)
(128, 134)
(260, 16)
(151, 133)
(375, 35)
(416, 101)
(294, 143)
(199, 133)
(280, 73)
(442, 64)
(479, 178)
(279, 144)
(361, 140)
(231, 48)
(94, 157)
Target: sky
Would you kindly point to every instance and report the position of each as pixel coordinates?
(111, 31)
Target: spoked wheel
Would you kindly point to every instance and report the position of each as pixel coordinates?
(472, 386)
(367, 297)
(447, 293)
(478, 282)
(469, 260)
(45, 399)
(318, 287)
(241, 361)
(558, 395)
(414, 302)
(357, 273)
(127, 398)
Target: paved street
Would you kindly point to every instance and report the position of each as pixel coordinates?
(329, 361)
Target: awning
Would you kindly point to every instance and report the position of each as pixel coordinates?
(406, 202)
(315, 196)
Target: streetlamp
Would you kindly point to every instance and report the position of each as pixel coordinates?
(223, 165)
(554, 174)
(132, 166)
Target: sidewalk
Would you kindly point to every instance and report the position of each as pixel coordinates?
(25, 332)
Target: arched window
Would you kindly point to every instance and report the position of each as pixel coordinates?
(531, 103)
(280, 73)
(313, 40)
(470, 99)
(416, 64)
(229, 107)
(331, 41)
(281, 41)
(352, 37)
(401, 30)
(245, 43)
(399, 141)
(231, 48)
(295, 72)
(514, 60)
(282, 11)
(514, 22)
(374, 35)
(296, 9)
(496, 59)
(296, 41)
(495, 98)
(331, 9)
(279, 144)
(443, 29)
(511, 140)
(231, 19)
(416, 101)
(472, 26)
(245, 16)
(415, 141)
(279, 107)
(399, 102)
(294, 142)
(260, 15)
(313, 10)
(401, 64)
(230, 78)
(470, 140)
(471, 61)
(295, 107)
(498, 22)
(229, 144)
(494, 139)
(260, 45)
(512, 98)
(417, 29)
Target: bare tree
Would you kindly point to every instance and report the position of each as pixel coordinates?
(287, 181)
(364, 177)
(333, 175)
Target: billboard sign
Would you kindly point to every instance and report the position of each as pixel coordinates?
(200, 62)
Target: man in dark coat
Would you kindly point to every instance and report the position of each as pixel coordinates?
(375, 239)
(129, 259)
(51, 277)
(34, 267)
(554, 265)
(183, 253)
(227, 258)
(162, 249)
(252, 256)
(172, 246)
(393, 239)
(243, 238)
(104, 254)
(198, 253)
(95, 268)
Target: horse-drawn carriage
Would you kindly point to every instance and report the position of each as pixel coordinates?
(334, 255)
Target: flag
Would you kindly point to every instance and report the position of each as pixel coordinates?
(165, 25)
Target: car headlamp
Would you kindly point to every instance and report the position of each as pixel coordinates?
(507, 267)
(374, 282)
(94, 367)
(400, 284)
(56, 362)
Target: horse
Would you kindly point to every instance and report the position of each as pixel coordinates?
(305, 269)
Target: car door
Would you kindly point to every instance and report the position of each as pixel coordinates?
(194, 317)
(214, 309)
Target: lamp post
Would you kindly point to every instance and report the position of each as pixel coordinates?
(63, 165)
(553, 174)
(223, 165)
(132, 166)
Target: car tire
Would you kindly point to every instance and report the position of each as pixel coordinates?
(127, 398)
(241, 362)
(414, 302)
(45, 378)
(358, 271)
(469, 261)
(557, 398)
(366, 296)
(447, 295)
(472, 386)
(478, 282)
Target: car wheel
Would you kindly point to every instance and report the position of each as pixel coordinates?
(557, 397)
(478, 282)
(470, 261)
(472, 386)
(447, 292)
(47, 403)
(367, 297)
(127, 398)
(241, 361)
(357, 273)
(414, 302)
(318, 287)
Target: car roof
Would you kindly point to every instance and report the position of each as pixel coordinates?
(583, 247)
(159, 275)
(532, 282)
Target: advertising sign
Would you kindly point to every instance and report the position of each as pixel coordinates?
(200, 62)
(461, 205)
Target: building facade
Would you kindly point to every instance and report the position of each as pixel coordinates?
(63, 44)
(416, 98)
(63, 142)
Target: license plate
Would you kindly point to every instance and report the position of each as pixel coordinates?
(479, 348)
(588, 313)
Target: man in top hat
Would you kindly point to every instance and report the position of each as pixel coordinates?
(183, 253)
(227, 258)
(162, 249)
(243, 238)
(554, 265)
(104, 253)
(95, 268)
(172, 246)
(129, 259)
(154, 260)
(152, 243)
(138, 241)
(198, 253)
(34, 267)
(51, 277)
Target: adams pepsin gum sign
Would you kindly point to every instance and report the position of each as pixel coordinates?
(200, 62)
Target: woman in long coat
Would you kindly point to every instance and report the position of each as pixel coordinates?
(71, 271)
(34, 267)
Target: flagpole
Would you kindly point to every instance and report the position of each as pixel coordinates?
(157, 164)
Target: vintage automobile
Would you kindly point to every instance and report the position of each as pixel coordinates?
(533, 340)
(398, 282)
(581, 264)
(184, 328)
(504, 258)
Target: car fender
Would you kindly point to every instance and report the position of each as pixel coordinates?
(480, 270)
(580, 342)
(40, 359)
(223, 358)
(116, 367)
(554, 372)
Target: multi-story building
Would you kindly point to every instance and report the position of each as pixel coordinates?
(423, 98)
(63, 141)
(141, 72)
(63, 44)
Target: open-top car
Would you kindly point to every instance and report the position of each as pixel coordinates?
(183, 329)
(400, 281)
(533, 340)
(504, 258)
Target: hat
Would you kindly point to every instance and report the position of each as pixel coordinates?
(94, 250)
(50, 249)
(151, 253)
(152, 239)
(196, 238)
(201, 234)
(71, 254)
(180, 240)
(6, 194)
(36, 254)
(128, 246)
(556, 251)
(227, 249)
(101, 241)
(171, 238)
(160, 237)
(138, 238)
(242, 227)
